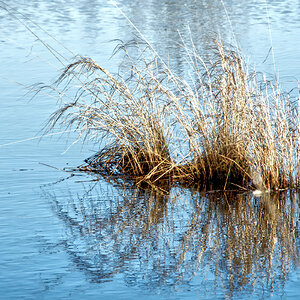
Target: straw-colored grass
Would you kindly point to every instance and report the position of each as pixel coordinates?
(224, 126)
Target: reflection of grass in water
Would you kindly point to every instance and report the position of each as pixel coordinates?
(174, 239)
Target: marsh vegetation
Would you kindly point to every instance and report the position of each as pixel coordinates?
(172, 133)
(224, 126)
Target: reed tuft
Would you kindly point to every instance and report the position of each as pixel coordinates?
(224, 126)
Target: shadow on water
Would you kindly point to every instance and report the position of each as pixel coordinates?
(213, 242)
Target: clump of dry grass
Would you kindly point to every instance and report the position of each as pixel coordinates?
(242, 129)
(224, 126)
(128, 112)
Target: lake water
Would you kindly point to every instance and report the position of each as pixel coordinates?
(73, 238)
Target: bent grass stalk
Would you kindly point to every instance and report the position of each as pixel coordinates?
(238, 128)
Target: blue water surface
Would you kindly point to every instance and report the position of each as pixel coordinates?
(73, 238)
